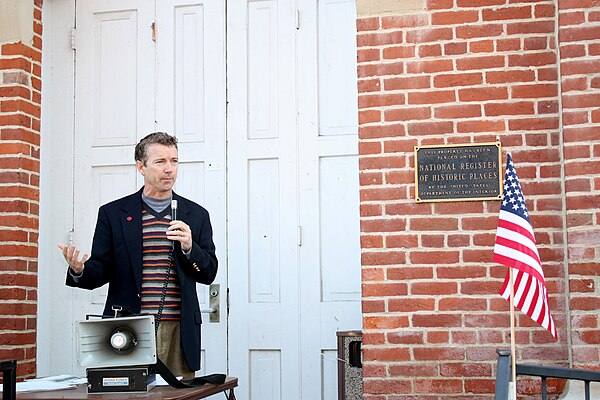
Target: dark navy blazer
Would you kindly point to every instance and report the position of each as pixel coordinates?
(116, 259)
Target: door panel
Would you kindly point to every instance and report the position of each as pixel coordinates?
(292, 195)
(262, 200)
(190, 84)
(337, 234)
(263, 69)
(328, 188)
(126, 87)
(265, 367)
(118, 54)
(263, 231)
(110, 108)
(106, 130)
(336, 63)
(190, 97)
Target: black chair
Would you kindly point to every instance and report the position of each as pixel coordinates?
(9, 377)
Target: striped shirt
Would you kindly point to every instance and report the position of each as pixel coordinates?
(155, 262)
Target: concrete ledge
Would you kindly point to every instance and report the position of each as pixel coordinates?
(16, 21)
(576, 390)
(366, 8)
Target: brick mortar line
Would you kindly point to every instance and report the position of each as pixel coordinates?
(28, 101)
(16, 301)
(454, 71)
(467, 41)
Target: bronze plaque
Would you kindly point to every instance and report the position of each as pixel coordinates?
(458, 172)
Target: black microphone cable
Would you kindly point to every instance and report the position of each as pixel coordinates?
(163, 294)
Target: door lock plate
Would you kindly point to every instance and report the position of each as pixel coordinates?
(214, 291)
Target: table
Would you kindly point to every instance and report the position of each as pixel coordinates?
(158, 392)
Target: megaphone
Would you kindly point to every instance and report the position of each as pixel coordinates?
(116, 342)
(117, 353)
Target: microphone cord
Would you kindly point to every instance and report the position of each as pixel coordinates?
(163, 293)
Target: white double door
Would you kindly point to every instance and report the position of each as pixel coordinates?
(265, 112)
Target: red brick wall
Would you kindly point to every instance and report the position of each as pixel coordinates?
(579, 39)
(20, 98)
(472, 71)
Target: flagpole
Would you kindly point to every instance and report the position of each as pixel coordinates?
(513, 350)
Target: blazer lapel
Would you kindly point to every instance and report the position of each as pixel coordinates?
(131, 221)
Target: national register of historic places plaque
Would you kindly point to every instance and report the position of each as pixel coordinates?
(458, 172)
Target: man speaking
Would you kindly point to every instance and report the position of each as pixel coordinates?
(151, 247)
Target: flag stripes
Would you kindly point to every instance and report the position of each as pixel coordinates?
(515, 247)
(527, 291)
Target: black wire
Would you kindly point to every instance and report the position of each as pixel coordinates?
(163, 294)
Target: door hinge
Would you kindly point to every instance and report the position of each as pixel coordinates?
(73, 35)
(71, 234)
(297, 19)
(227, 301)
(299, 236)
(153, 28)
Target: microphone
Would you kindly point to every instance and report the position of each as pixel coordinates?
(173, 210)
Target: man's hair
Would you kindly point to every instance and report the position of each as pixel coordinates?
(141, 149)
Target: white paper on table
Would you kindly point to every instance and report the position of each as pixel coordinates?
(160, 381)
(58, 382)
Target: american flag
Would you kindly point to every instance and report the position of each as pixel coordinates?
(516, 248)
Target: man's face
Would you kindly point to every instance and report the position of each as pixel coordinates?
(159, 170)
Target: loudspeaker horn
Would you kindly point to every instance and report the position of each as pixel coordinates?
(116, 342)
